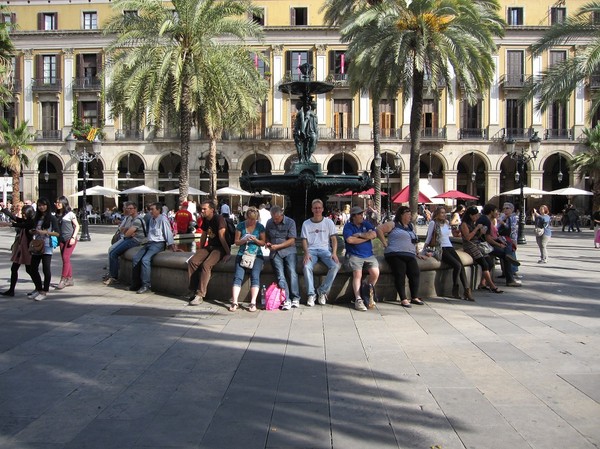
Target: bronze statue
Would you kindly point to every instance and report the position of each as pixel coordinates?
(306, 131)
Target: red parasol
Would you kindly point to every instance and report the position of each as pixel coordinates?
(456, 195)
(402, 197)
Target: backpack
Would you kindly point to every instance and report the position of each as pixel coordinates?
(274, 297)
(54, 241)
(229, 231)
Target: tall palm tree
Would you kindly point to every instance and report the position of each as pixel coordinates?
(15, 142)
(419, 41)
(588, 162)
(6, 52)
(558, 82)
(173, 59)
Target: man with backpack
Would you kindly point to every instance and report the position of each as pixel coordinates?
(215, 230)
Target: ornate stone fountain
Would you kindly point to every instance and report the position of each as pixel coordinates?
(305, 180)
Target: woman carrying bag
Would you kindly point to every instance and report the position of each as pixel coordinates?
(46, 226)
(250, 237)
(69, 228)
(20, 254)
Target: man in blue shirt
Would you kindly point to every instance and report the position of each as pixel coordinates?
(358, 234)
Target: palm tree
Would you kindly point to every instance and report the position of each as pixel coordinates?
(6, 52)
(588, 162)
(172, 60)
(419, 41)
(12, 152)
(558, 82)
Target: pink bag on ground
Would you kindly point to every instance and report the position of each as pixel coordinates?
(274, 297)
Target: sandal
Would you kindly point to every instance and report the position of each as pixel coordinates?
(233, 307)
(252, 308)
(417, 301)
(496, 290)
(484, 287)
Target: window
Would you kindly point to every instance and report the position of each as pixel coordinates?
(130, 14)
(260, 62)
(8, 18)
(90, 20)
(338, 64)
(515, 16)
(49, 69)
(295, 59)
(557, 15)
(514, 68)
(387, 115)
(47, 21)
(49, 116)
(89, 112)
(471, 120)
(259, 18)
(515, 118)
(342, 119)
(299, 16)
(9, 114)
(596, 18)
(429, 118)
(87, 68)
(557, 56)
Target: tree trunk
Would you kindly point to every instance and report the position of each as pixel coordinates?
(185, 128)
(415, 142)
(211, 164)
(376, 152)
(16, 188)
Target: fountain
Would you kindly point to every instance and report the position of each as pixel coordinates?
(305, 180)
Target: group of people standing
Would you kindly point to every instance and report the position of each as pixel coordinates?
(39, 231)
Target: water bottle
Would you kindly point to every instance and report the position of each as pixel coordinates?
(263, 295)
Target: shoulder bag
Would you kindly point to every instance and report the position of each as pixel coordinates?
(247, 259)
(485, 248)
(36, 246)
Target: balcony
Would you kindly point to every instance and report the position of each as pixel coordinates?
(389, 134)
(516, 133)
(48, 135)
(248, 134)
(433, 133)
(46, 85)
(279, 133)
(558, 134)
(472, 134)
(15, 86)
(338, 79)
(594, 82)
(338, 133)
(513, 81)
(129, 134)
(87, 84)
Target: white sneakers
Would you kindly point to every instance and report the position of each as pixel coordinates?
(359, 304)
(310, 302)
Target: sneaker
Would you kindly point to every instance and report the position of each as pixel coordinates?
(514, 284)
(545, 261)
(295, 303)
(517, 276)
(541, 261)
(287, 305)
(196, 301)
(32, 293)
(322, 299)
(359, 304)
(40, 296)
(310, 302)
(111, 281)
(69, 282)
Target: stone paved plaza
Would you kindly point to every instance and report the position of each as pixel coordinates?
(101, 367)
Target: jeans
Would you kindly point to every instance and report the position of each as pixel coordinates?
(324, 255)
(287, 265)
(501, 254)
(542, 244)
(66, 251)
(238, 276)
(143, 260)
(113, 256)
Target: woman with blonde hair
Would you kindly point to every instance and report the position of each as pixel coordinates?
(543, 231)
(250, 237)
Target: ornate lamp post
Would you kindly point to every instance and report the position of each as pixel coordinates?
(387, 171)
(522, 157)
(84, 156)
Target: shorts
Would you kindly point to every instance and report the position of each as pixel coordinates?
(359, 263)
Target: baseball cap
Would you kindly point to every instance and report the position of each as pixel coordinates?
(184, 204)
(356, 210)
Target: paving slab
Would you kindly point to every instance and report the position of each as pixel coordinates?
(101, 367)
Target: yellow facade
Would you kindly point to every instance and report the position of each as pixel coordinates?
(459, 139)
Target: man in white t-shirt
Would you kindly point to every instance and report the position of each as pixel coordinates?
(319, 241)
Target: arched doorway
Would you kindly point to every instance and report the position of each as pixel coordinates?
(557, 174)
(168, 178)
(131, 174)
(471, 176)
(49, 178)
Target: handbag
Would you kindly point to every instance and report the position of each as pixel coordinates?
(36, 246)
(539, 231)
(485, 248)
(274, 297)
(247, 260)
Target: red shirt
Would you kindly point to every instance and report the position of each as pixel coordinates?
(183, 218)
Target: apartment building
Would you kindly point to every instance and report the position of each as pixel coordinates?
(57, 78)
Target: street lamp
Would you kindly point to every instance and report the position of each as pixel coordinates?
(83, 155)
(522, 157)
(46, 174)
(430, 174)
(387, 171)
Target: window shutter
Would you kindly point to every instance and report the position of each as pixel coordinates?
(40, 21)
(80, 110)
(56, 21)
(331, 68)
(288, 61)
(17, 74)
(292, 16)
(99, 119)
(267, 59)
(13, 18)
(39, 67)
(79, 66)
(58, 68)
(309, 57)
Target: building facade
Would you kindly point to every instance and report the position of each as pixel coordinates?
(58, 77)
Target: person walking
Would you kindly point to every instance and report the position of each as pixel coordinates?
(358, 236)
(319, 242)
(250, 237)
(400, 242)
(20, 254)
(596, 222)
(69, 228)
(159, 237)
(281, 242)
(46, 226)
(438, 236)
(213, 248)
(542, 237)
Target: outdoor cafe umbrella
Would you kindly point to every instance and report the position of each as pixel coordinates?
(527, 191)
(232, 191)
(98, 190)
(191, 191)
(403, 196)
(456, 195)
(143, 189)
(570, 191)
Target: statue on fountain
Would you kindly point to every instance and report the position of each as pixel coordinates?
(306, 132)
